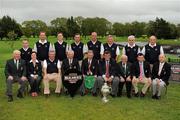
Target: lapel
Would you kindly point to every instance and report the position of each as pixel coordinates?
(163, 68)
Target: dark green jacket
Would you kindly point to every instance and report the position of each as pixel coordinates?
(11, 70)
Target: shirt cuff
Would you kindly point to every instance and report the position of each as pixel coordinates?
(32, 75)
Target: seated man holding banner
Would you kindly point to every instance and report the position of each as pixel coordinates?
(52, 72)
(72, 77)
(160, 75)
(15, 71)
(89, 72)
(107, 73)
(141, 74)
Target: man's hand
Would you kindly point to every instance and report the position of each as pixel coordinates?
(35, 77)
(128, 78)
(110, 79)
(23, 78)
(122, 79)
(10, 77)
(158, 82)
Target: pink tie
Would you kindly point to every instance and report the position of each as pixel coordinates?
(107, 69)
(141, 72)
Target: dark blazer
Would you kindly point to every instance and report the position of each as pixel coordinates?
(121, 72)
(165, 73)
(65, 65)
(11, 70)
(112, 67)
(34, 70)
(93, 66)
(136, 69)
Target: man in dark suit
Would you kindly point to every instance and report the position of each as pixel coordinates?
(107, 73)
(124, 70)
(15, 71)
(67, 64)
(34, 73)
(89, 67)
(141, 74)
(70, 62)
(160, 75)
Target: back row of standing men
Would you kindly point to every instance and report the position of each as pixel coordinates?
(151, 51)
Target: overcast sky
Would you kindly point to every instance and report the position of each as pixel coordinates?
(113, 10)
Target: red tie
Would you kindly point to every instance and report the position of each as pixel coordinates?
(107, 69)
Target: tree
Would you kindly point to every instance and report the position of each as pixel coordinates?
(59, 25)
(72, 27)
(34, 27)
(160, 28)
(12, 35)
(7, 24)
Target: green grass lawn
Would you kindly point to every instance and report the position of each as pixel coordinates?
(84, 108)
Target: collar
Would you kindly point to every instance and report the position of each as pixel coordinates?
(45, 41)
(152, 45)
(77, 43)
(94, 42)
(25, 49)
(110, 44)
(32, 61)
(60, 42)
(131, 46)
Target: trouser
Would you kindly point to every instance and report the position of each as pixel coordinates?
(145, 81)
(52, 77)
(128, 87)
(100, 81)
(35, 83)
(157, 89)
(10, 82)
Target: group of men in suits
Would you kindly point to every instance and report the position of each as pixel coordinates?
(48, 62)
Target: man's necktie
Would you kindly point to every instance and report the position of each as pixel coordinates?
(107, 69)
(141, 71)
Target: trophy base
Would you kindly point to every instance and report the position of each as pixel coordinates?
(105, 100)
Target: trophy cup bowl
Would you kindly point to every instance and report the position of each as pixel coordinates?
(105, 90)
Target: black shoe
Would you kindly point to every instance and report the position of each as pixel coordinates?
(128, 96)
(58, 94)
(136, 94)
(112, 95)
(19, 95)
(119, 94)
(47, 95)
(142, 95)
(154, 96)
(94, 94)
(158, 97)
(10, 98)
(66, 93)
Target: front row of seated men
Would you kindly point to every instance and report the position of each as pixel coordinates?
(104, 70)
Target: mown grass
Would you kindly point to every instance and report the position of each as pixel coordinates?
(83, 108)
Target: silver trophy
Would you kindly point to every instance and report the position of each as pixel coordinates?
(105, 90)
